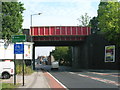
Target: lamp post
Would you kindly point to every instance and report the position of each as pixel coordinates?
(33, 62)
(31, 21)
(33, 15)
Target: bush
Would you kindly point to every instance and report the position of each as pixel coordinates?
(19, 67)
(28, 70)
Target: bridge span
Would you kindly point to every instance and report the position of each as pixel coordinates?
(59, 33)
(88, 50)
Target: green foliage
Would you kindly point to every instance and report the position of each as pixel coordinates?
(28, 70)
(11, 18)
(69, 56)
(19, 67)
(60, 52)
(109, 20)
(94, 24)
(63, 55)
(9, 86)
(84, 20)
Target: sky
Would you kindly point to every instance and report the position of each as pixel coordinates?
(43, 51)
(56, 13)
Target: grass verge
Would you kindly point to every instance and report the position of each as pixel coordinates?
(28, 70)
(9, 86)
(19, 66)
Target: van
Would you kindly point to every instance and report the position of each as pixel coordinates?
(6, 69)
(55, 65)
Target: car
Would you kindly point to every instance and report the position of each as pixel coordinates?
(6, 69)
(55, 65)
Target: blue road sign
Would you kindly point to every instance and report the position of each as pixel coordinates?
(18, 48)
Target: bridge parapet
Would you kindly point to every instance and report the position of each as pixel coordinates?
(59, 33)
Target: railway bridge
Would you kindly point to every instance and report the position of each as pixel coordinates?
(74, 36)
(88, 50)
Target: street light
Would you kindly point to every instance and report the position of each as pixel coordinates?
(31, 37)
(31, 21)
(33, 15)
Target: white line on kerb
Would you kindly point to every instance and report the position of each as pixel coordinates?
(57, 81)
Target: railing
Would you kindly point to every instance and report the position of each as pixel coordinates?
(60, 31)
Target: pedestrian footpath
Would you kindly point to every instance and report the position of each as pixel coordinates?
(36, 80)
(40, 79)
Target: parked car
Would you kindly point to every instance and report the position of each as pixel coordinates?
(6, 69)
(55, 65)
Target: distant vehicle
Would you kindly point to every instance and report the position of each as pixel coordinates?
(55, 65)
(6, 69)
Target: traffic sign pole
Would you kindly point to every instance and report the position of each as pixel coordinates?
(18, 49)
(14, 68)
(23, 65)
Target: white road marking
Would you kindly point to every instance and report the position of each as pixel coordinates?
(110, 74)
(98, 79)
(102, 80)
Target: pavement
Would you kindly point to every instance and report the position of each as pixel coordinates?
(39, 79)
(35, 80)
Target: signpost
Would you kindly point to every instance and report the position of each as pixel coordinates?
(19, 38)
(18, 49)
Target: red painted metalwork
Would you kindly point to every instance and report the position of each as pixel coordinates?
(59, 30)
(58, 38)
(59, 33)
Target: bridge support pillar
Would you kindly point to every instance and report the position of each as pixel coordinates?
(80, 57)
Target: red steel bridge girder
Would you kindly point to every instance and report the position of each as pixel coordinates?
(35, 38)
(59, 33)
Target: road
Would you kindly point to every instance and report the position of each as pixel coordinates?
(85, 79)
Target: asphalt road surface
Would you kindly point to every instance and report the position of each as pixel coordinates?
(86, 79)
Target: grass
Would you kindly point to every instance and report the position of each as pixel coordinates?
(27, 69)
(9, 86)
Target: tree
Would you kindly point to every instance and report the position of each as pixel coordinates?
(62, 54)
(11, 19)
(94, 25)
(84, 20)
(109, 23)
